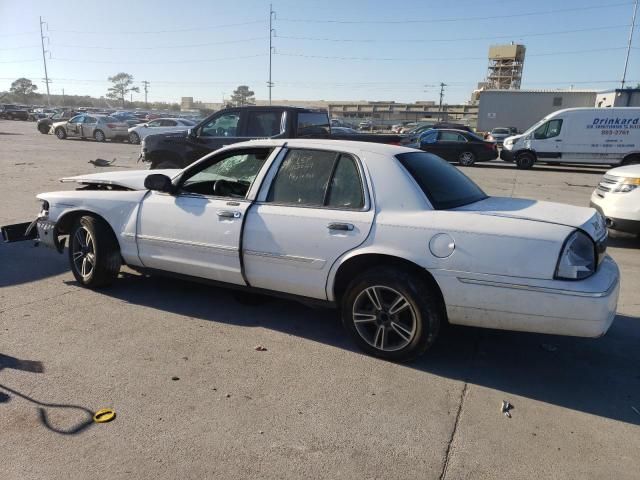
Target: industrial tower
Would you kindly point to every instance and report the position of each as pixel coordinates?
(505, 66)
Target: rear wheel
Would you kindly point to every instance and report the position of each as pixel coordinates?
(467, 159)
(99, 136)
(134, 138)
(392, 314)
(525, 161)
(61, 133)
(94, 254)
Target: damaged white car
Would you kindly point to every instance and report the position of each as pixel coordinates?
(396, 238)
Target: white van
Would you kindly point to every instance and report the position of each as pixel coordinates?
(608, 136)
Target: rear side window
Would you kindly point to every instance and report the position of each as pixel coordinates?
(263, 124)
(444, 185)
(312, 123)
(318, 179)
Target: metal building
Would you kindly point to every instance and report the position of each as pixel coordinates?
(523, 108)
(506, 63)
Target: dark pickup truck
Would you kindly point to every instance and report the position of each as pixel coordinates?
(13, 112)
(233, 125)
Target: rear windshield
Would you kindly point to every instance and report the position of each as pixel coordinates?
(312, 123)
(444, 185)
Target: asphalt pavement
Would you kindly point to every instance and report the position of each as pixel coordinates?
(194, 399)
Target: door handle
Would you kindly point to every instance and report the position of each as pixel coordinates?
(346, 227)
(229, 214)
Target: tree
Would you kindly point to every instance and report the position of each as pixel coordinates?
(121, 86)
(243, 96)
(24, 88)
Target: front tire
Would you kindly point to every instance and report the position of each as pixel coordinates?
(525, 161)
(99, 136)
(43, 129)
(94, 253)
(134, 138)
(392, 314)
(61, 133)
(467, 159)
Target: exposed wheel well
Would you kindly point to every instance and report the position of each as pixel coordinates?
(64, 223)
(355, 265)
(525, 152)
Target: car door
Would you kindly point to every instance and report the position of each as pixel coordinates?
(315, 208)
(88, 126)
(196, 230)
(167, 125)
(220, 130)
(450, 145)
(73, 126)
(547, 140)
(427, 141)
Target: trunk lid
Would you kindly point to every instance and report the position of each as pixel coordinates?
(584, 218)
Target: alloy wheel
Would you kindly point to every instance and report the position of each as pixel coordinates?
(384, 318)
(83, 252)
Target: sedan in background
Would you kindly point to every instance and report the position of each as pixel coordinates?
(498, 135)
(456, 146)
(98, 127)
(617, 198)
(44, 124)
(337, 131)
(160, 125)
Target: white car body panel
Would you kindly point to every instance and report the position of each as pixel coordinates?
(144, 129)
(588, 135)
(498, 272)
(616, 206)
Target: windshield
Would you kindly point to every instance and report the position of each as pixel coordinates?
(534, 126)
(444, 185)
(501, 131)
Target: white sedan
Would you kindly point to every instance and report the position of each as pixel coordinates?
(159, 125)
(617, 197)
(397, 239)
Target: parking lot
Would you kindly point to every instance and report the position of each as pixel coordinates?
(194, 398)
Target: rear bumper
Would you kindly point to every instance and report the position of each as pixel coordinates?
(584, 308)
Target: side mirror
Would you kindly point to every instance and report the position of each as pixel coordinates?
(159, 183)
(191, 133)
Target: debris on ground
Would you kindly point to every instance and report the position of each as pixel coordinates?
(635, 410)
(175, 378)
(228, 395)
(260, 348)
(506, 408)
(104, 415)
(549, 347)
(101, 162)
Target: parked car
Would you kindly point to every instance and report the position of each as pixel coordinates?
(617, 198)
(397, 239)
(456, 146)
(366, 125)
(601, 136)
(128, 118)
(232, 125)
(340, 131)
(498, 135)
(98, 127)
(160, 125)
(13, 112)
(44, 124)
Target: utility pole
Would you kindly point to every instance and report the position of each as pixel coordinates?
(633, 26)
(271, 31)
(63, 97)
(44, 59)
(442, 85)
(145, 83)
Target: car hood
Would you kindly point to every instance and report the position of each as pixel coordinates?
(584, 218)
(128, 179)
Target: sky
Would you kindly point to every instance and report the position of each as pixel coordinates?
(335, 50)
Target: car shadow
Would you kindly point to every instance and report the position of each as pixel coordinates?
(500, 165)
(21, 262)
(596, 376)
(623, 240)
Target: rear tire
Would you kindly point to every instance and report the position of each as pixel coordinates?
(94, 253)
(525, 161)
(99, 136)
(392, 314)
(43, 129)
(61, 133)
(134, 138)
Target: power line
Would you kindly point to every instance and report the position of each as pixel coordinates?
(163, 62)
(458, 19)
(148, 32)
(441, 59)
(163, 47)
(440, 40)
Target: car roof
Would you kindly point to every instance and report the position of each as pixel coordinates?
(348, 146)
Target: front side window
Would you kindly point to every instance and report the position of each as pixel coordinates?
(444, 185)
(92, 120)
(168, 123)
(429, 137)
(451, 137)
(263, 124)
(77, 119)
(229, 176)
(549, 129)
(225, 125)
(155, 123)
(316, 178)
